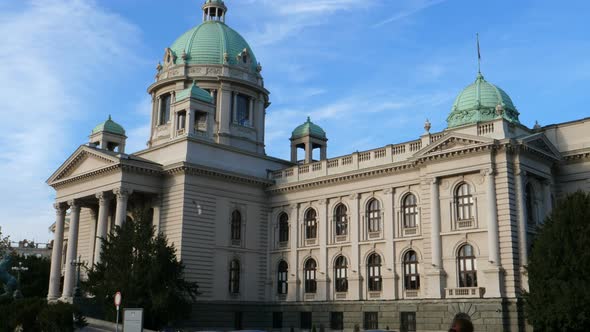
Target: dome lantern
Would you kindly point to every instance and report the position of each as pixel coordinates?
(308, 137)
(214, 10)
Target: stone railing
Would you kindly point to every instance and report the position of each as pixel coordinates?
(465, 292)
(356, 161)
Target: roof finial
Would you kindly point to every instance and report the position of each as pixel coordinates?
(110, 117)
(308, 119)
(478, 55)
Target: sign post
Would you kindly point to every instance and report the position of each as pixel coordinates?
(117, 304)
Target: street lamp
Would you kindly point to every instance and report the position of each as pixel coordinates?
(20, 268)
(77, 264)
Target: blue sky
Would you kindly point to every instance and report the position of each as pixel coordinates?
(368, 72)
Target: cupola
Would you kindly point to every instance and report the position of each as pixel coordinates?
(308, 136)
(481, 101)
(109, 135)
(214, 10)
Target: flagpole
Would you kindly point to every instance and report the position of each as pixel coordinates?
(478, 54)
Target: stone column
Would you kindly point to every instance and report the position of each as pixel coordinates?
(308, 151)
(522, 228)
(121, 213)
(436, 274)
(156, 204)
(101, 228)
(70, 275)
(548, 202)
(293, 276)
(56, 253)
(355, 285)
(522, 218)
(387, 223)
(435, 224)
(323, 152)
(494, 272)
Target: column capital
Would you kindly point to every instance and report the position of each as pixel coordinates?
(322, 201)
(156, 200)
(354, 196)
(389, 191)
(433, 180)
(487, 172)
(74, 205)
(122, 193)
(103, 197)
(60, 207)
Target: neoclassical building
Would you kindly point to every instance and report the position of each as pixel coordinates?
(404, 236)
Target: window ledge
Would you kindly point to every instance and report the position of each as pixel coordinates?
(411, 293)
(410, 231)
(374, 294)
(310, 242)
(467, 223)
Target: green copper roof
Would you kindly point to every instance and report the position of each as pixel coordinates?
(109, 126)
(308, 128)
(194, 92)
(207, 44)
(481, 101)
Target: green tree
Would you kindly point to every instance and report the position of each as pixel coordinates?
(35, 281)
(559, 269)
(4, 243)
(144, 268)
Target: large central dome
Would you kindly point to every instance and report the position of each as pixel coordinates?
(212, 42)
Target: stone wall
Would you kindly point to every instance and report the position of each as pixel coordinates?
(431, 315)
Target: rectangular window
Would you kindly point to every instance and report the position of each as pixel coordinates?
(336, 321)
(200, 121)
(305, 320)
(164, 109)
(277, 320)
(243, 110)
(408, 322)
(371, 320)
(238, 323)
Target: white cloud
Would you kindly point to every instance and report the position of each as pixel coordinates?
(53, 53)
(415, 7)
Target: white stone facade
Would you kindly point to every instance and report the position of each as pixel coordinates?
(194, 179)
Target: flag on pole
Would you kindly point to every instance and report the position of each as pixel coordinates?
(478, 55)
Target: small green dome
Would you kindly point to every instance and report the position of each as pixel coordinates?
(209, 42)
(194, 92)
(109, 126)
(481, 101)
(308, 129)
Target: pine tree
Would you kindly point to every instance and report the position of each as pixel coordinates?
(144, 268)
(559, 269)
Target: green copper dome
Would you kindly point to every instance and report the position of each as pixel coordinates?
(308, 128)
(209, 42)
(109, 126)
(481, 101)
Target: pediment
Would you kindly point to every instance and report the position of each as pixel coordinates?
(541, 144)
(85, 159)
(451, 142)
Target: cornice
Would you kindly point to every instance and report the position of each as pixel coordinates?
(191, 169)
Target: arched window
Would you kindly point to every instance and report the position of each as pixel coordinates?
(282, 275)
(374, 272)
(309, 271)
(236, 225)
(341, 220)
(311, 226)
(234, 277)
(374, 215)
(410, 211)
(530, 204)
(411, 274)
(283, 227)
(464, 202)
(341, 274)
(467, 267)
